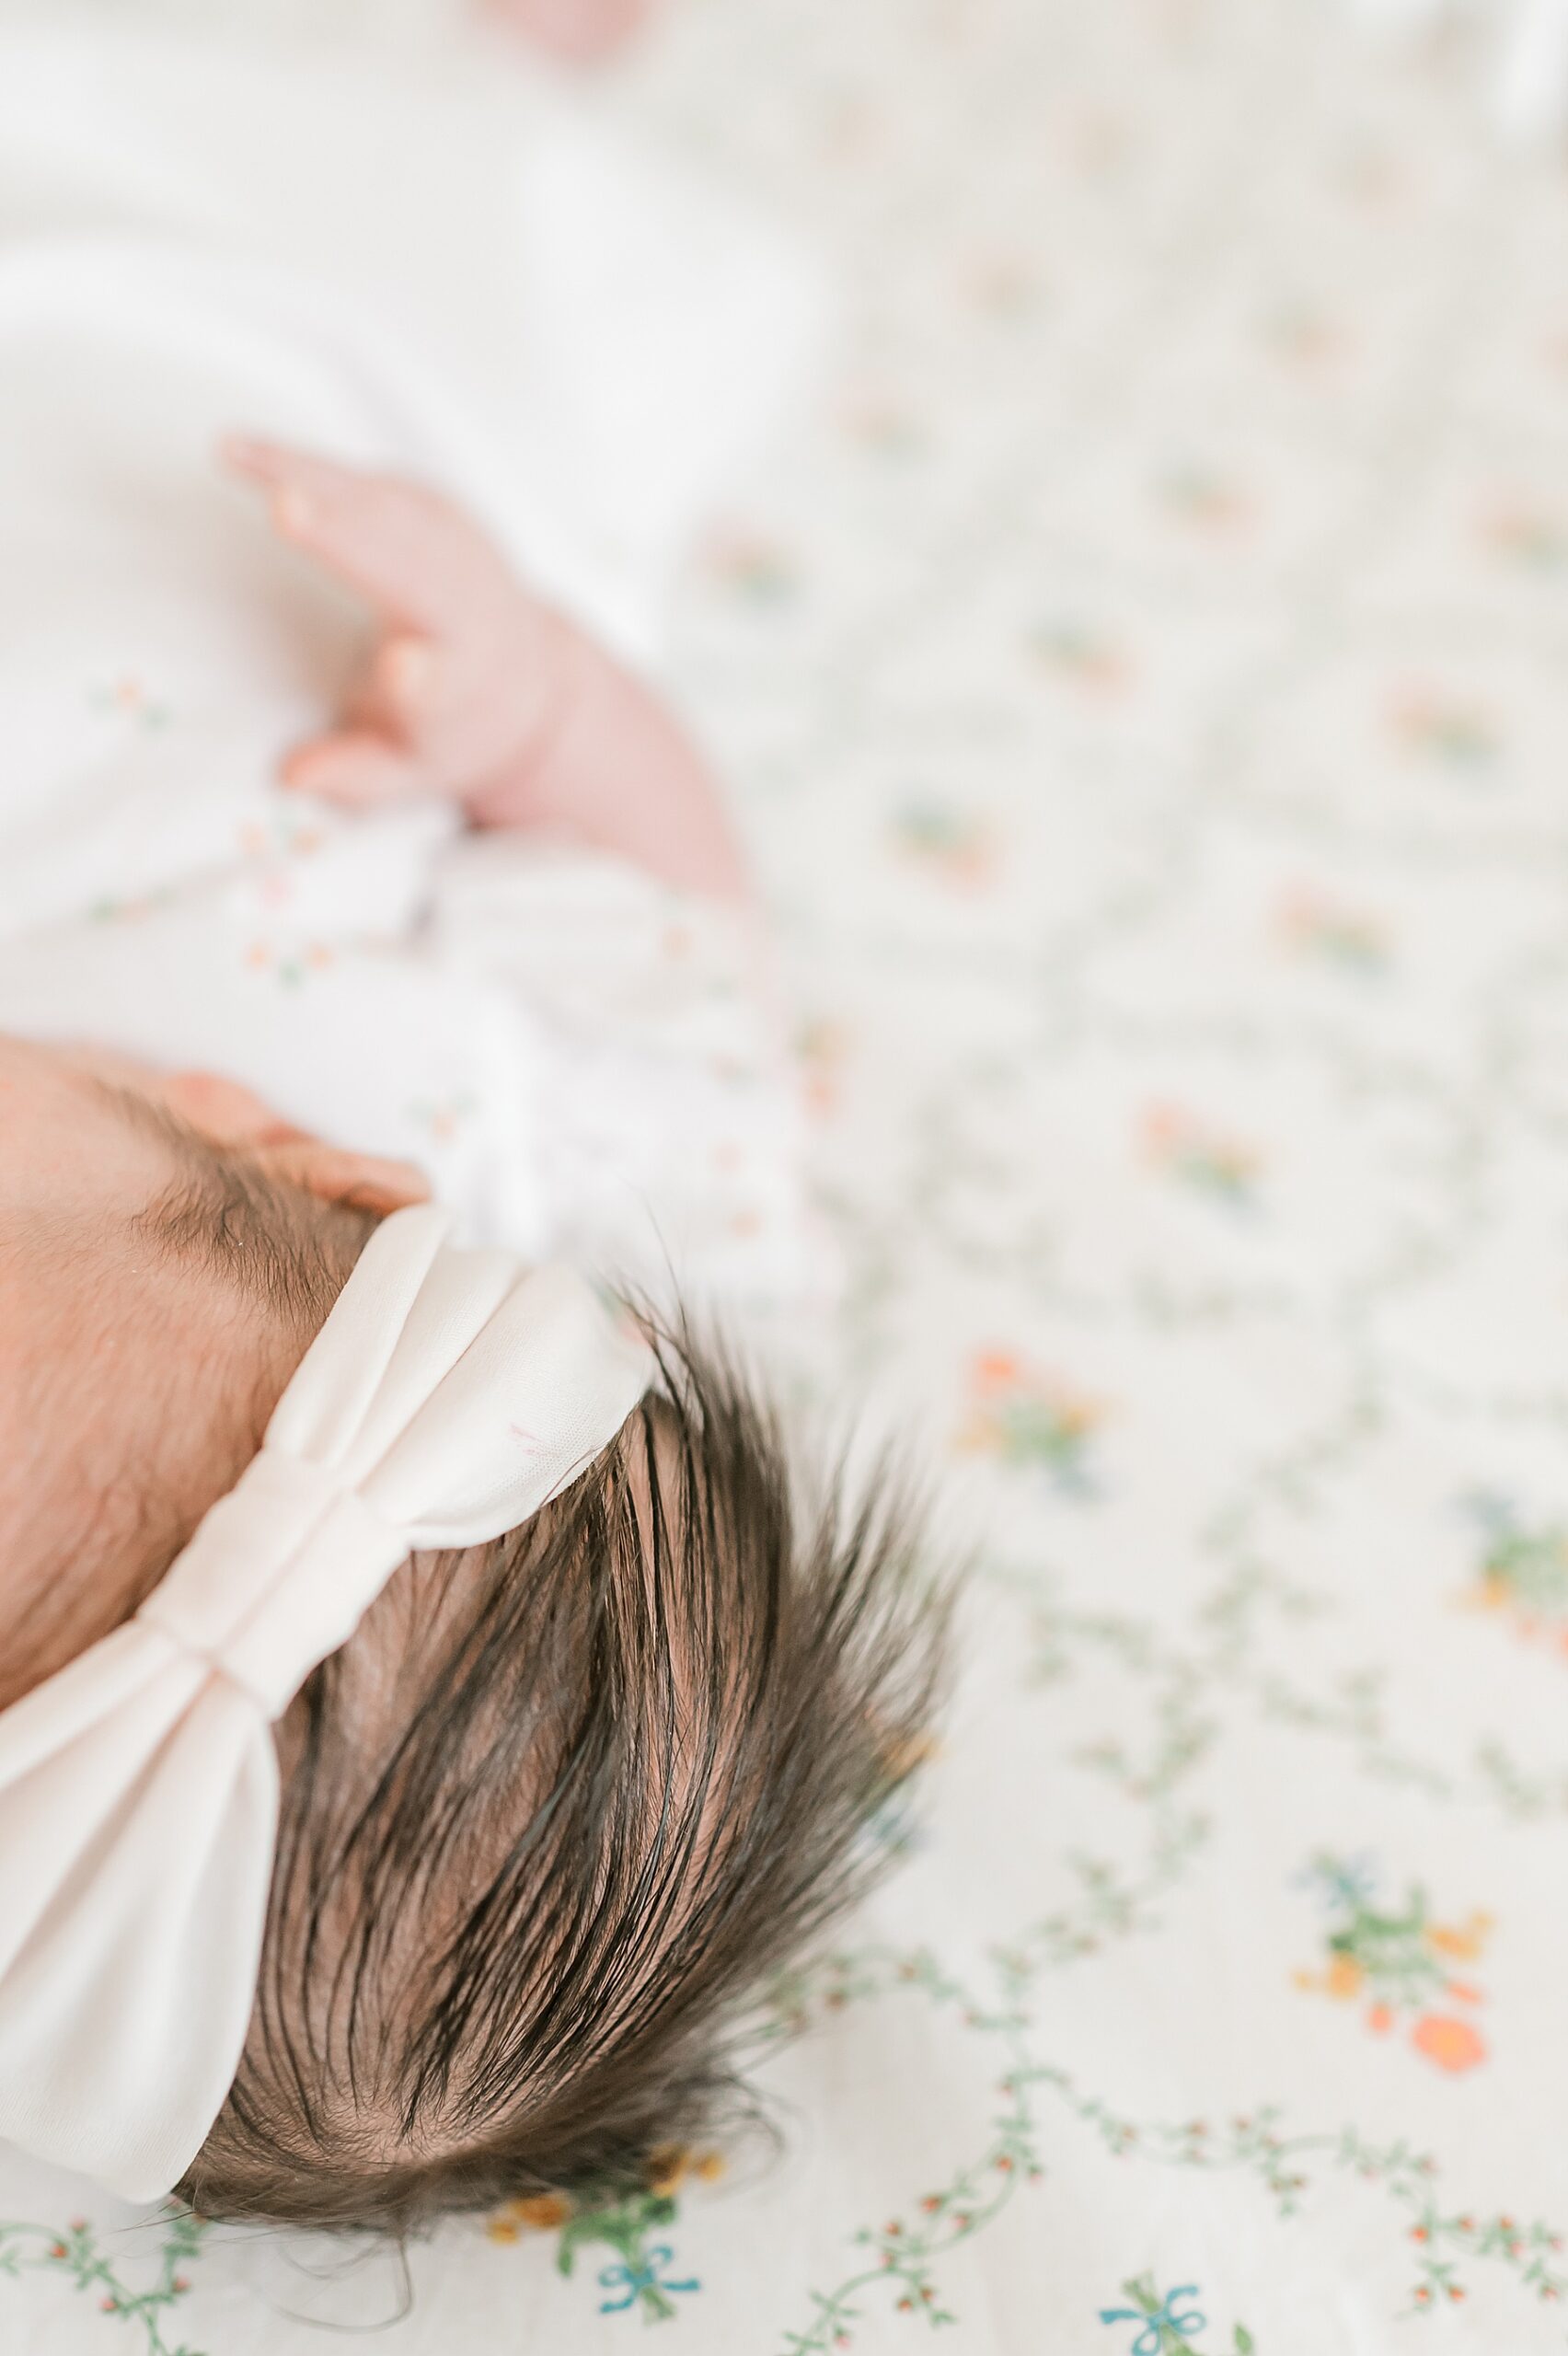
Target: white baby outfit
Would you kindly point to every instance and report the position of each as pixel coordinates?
(580, 346)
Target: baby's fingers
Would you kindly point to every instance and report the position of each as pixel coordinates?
(365, 1182)
(314, 501)
(356, 768)
(278, 467)
(416, 557)
(403, 688)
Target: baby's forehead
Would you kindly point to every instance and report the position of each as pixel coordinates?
(137, 1360)
(87, 1359)
(77, 1145)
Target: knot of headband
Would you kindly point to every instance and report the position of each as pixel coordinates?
(449, 1395)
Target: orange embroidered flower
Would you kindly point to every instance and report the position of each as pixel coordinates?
(1028, 1417)
(1163, 1125)
(1452, 2044)
(540, 2214)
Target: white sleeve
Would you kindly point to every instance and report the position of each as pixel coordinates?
(668, 1120)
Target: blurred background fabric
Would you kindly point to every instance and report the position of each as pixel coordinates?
(1526, 60)
(1143, 689)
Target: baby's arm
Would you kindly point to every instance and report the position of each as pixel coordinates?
(479, 692)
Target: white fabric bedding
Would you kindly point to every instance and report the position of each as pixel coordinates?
(1144, 689)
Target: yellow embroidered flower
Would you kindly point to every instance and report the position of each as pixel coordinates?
(1344, 1978)
(1464, 1940)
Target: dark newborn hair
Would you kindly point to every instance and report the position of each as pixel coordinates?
(561, 1801)
(557, 1809)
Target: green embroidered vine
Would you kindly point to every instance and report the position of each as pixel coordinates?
(78, 2255)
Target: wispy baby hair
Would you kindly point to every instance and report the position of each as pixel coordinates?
(557, 1810)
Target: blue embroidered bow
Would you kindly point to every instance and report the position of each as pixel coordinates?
(636, 2281)
(1158, 2322)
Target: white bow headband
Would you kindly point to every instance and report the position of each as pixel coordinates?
(449, 1395)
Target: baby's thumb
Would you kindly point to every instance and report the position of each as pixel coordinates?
(355, 769)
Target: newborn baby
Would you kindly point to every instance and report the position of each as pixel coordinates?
(562, 1796)
(564, 1793)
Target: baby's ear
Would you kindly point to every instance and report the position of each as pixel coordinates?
(228, 1115)
(362, 1181)
(222, 1111)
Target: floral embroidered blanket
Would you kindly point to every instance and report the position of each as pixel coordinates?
(1145, 686)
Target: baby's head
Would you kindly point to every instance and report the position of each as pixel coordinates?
(167, 1251)
(564, 1798)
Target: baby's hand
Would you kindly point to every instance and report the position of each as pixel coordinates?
(479, 692)
(580, 30)
(459, 687)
